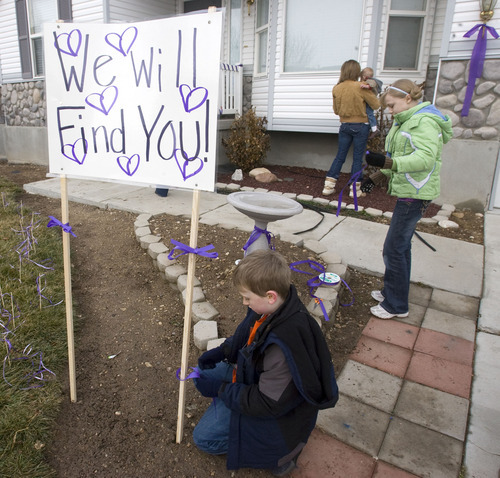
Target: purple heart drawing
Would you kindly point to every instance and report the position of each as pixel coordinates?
(69, 43)
(192, 98)
(78, 151)
(122, 43)
(186, 165)
(129, 165)
(104, 101)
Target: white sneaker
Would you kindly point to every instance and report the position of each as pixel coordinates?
(381, 313)
(377, 295)
(359, 193)
(329, 187)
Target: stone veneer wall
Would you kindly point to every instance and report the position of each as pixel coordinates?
(24, 104)
(483, 120)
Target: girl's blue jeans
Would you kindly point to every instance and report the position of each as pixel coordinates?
(397, 254)
(211, 434)
(355, 134)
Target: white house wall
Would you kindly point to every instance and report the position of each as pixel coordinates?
(88, 11)
(131, 10)
(465, 17)
(9, 52)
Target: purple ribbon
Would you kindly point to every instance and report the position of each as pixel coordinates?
(316, 281)
(194, 374)
(65, 227)
(256, 233)
(355, 194)
(476, 60)
(201, 251)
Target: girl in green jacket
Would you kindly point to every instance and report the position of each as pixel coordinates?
(412, 164)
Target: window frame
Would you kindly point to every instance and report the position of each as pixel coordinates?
(259, 31)
(25, 37)
(424, 15)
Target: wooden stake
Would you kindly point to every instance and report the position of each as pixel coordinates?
(193, 240)
(67, 290)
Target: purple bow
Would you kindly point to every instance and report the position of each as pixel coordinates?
(257, 231)
(476, 60)
(201, 251)
(316, 281)
(65, 227)
(194, 374)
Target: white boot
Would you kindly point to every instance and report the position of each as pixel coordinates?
(329, 187)
(359, 193)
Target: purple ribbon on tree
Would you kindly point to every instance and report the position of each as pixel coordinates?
(201, 251)
(476, 60)
(317, 281)
(256, 233)
(65, 227)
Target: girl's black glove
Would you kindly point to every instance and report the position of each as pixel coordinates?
(378, 160)
(367, 185)
(211, 358)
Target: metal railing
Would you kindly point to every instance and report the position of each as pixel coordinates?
(231, 89)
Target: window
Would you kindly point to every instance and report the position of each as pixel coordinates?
(321, 35)
(235, 35)
(31, 15)
(261, 33)
(404, 34)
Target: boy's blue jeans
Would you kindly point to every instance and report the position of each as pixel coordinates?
(357, 135)
(397, 254)
(211, 435)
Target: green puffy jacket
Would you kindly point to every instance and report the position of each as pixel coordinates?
(414, 143)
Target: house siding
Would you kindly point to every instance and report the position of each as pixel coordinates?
(465, 17)
(9, 53)
(131, 10)
(85, 11)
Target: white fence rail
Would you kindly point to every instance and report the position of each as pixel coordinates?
(231, 89)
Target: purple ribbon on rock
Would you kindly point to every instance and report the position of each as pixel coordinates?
(316, 281)
(65, 227)
(476, 60)
(256, 233)
(201, 251)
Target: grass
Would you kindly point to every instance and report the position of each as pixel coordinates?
(33, 344)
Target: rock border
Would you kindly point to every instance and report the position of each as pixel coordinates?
(204, 314)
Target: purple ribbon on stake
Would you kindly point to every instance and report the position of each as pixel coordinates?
(317, 281)
(201, 251)
(355, 194)
(65, 227)
(194, 374)
(256, 233)
(476, 60)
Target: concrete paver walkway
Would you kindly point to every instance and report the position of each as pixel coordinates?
(416, 393)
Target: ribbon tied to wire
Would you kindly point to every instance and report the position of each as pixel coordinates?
(318, 280)
(65, 227)
(185, 249)
(476, 60)
(256, 233)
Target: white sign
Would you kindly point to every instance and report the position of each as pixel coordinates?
(135, 102)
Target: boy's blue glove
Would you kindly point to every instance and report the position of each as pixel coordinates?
(208, 387)
(211, 358)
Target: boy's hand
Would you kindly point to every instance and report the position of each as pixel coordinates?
(211, 358)
(208, 387)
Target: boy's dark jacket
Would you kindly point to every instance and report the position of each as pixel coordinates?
(265, 432)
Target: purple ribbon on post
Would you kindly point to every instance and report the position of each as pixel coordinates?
(65, 227)
(257, 231)
(476, 60)
(316, 281)
(201, 251)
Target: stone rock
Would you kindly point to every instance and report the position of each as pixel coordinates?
(446, 87)
(494, 114)
(446, 101)
(267, 178)
(475, 118)
(452, 70)
(485, 87)
(204, 331)
(256, 171)
(491, 70)
(447, 224)
(455, 119)
(484, 101)
(237, 175)
(486, 132)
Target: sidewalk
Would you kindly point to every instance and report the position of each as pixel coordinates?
(417, 393)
